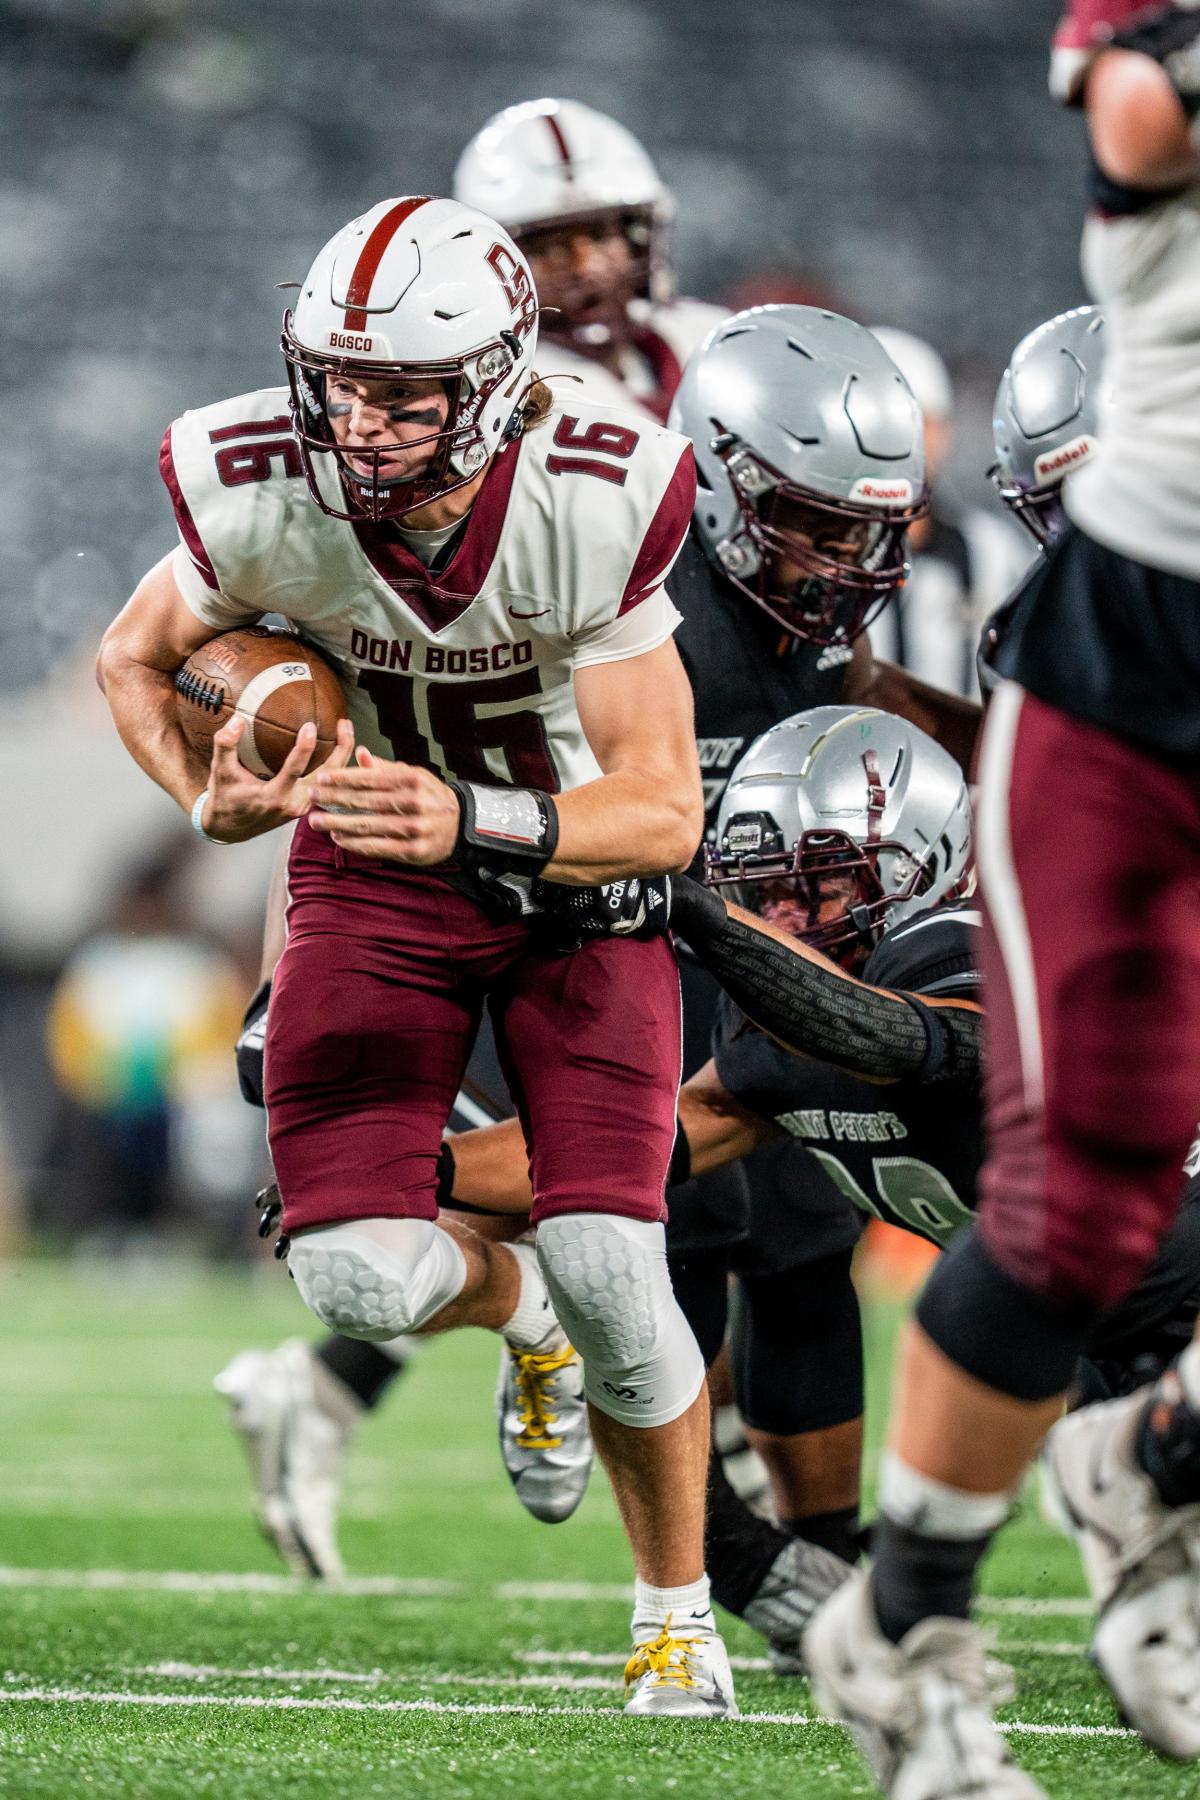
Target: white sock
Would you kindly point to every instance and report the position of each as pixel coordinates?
(935, 1510)
(533, 1325)
(688, 1608)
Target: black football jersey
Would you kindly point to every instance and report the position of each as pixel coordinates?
(746, 672)
(1108, 640)
(906, 1152)
(746, 675)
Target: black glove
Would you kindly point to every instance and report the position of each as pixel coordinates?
(270, 1216)
(637, 907)
(249, 1048)
(696, 911)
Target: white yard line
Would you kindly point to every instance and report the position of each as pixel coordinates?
(12, 1695)
(183, 1581)
(1023, 1606)
(179, 1671)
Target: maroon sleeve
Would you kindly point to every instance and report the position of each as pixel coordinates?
(183, 513)
(664, 539)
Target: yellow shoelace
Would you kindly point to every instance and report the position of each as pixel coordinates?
(534, 1374)
(668, 1659)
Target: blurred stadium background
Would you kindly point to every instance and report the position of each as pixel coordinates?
(165, 163)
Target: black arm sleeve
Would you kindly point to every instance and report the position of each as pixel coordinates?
(821, 1012)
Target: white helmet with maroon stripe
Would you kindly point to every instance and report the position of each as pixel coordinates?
(424, 289)
(551, 163)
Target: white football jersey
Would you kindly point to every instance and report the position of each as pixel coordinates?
(663, 338)
(466, 669)
(1139, 494)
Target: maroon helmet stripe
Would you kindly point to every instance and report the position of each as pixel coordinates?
(370, 257)
(876, 796)
(560, 142)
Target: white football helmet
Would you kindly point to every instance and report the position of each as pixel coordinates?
(549, 163)
(424, 288)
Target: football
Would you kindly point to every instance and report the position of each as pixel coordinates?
(275, 680)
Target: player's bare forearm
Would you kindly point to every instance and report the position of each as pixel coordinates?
(952, 721)
(142, 702)
(491, 1168)
(645, 814)
(1137, 124)
(718, 1128)
(149, 640)
(631, 822)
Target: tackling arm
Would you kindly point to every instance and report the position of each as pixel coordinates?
(814, 1008)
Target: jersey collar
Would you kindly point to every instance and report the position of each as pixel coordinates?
(442, 597)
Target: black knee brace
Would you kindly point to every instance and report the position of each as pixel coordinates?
(996, 1330)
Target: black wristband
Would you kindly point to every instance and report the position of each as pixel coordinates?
(504, 828)
(696, 911)
(680, 1168)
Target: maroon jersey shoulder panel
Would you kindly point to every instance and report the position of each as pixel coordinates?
(664, 366)
(667, 531)
(183, 513)
(439, 600)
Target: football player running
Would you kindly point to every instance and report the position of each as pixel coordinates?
(1092, 960)
(486, 571)
(582, 198)
(809, 445)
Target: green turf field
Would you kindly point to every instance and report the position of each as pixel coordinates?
(150, 1646)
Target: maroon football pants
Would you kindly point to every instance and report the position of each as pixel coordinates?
(1089, 856)
(374, 1010)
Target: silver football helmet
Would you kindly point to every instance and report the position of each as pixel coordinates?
(838, 823)
(1045, 422)
(811, 464)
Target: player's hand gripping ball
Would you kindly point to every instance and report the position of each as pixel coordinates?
(274, 681)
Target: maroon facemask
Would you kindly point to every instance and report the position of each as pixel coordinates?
(849, 559)
(457, 451)
(819, 860)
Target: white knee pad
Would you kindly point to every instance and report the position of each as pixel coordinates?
(377, 1278)
(608, 1280)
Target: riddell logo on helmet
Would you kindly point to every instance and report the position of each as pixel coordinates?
(347, 340)
(1065, 458)
(883, 493)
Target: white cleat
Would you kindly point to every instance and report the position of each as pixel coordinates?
(1142, 1561)
(800, 1579)
(545, 1438)
(921, 1710)
(671, 1677)
(295, 1420)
